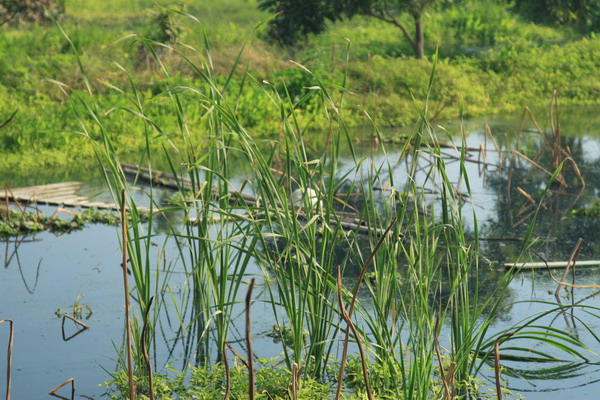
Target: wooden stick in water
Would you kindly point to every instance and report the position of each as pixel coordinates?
(9, 355)
(544, 170)
(56, 389)
(571, 262)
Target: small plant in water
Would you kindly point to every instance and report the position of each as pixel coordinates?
(77, 310)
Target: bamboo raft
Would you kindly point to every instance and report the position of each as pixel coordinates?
(173, 182)
(64, 194)
(67, 194)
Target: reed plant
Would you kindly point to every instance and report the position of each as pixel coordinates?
(424, 276)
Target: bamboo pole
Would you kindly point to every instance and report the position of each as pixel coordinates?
(551, 264)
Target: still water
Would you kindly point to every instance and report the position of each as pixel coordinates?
(45, 274)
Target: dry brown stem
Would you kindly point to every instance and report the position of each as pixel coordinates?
(132, 392)
(572, 261)
(56, 389)
(242, 359)
(227, 373)
(295, 378)
(351, 308)
(447, 393)
(489, 132)
(144, 346)
(351, 327)
(9, 355)
(526, 195)
(249, 342)
(497, 363)
(544, 170)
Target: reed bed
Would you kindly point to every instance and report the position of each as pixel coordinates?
(423, 266)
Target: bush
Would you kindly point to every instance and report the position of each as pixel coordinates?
(12, 11)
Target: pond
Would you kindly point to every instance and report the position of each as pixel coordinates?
(45, 275)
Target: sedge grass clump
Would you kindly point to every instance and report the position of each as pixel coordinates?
(416, 245)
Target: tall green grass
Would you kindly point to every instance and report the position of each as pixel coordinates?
(424, 274)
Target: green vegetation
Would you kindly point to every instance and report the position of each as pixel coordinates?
(296, 20)
(495, 59)
(19, 222)
(425, 270)
(203, 108)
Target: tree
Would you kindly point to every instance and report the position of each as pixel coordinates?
(30, 10)
(299, 18)
(561, 12)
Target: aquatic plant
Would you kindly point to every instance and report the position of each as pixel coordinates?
(425, 270)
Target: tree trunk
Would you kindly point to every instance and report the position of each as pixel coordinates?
(419, 41)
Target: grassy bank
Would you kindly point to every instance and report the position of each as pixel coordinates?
(493, 59)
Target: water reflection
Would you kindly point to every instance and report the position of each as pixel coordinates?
(12, 253)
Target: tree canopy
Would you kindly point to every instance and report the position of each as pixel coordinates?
(297, 19)
(29, 10)
(560, 12)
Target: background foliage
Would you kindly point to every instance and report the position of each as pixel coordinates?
(493, 53)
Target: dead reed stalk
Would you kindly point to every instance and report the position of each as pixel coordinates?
(56, 389)
(526, 110)
(567, 284)
(9, 355)
(83, 324)
(497, 363)
(132, 392)
(572, 261)
(295, 379)
(488, 131)
(555, 124)
(7, 206)
(15, 201)
(544, 170)
(526, 195)
(249, 343)
(78, 322)
(242, 359)
(351, 326)
(447, 392)
(351, 308)
(227, 373)
(144, 346)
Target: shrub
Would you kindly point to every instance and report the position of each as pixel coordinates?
(30, 10)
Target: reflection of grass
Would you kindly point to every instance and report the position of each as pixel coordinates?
(591, 210)
(425, 252)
